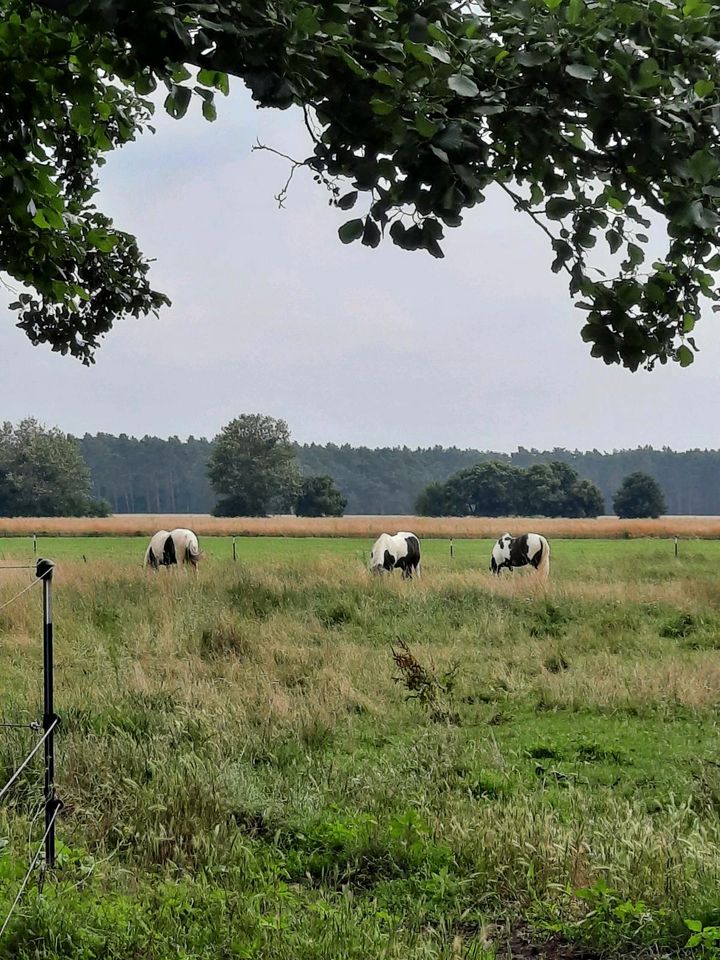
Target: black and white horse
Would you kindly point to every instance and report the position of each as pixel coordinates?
(168, 548)
(529, 549)
(401, 551)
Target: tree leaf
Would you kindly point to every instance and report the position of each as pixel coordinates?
(559, 207)
(426, 128)
(371, 233)
(385, 77)
(381, 107)
(684, 355)
(348, 201)
(352, 230)
(48, 219)
(703, 88)
(462, 85)
(532, 58)
(582, 71)
(437, 53)
(177, 101)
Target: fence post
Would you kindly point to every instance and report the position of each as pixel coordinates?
(676, 546)
(45, 572)
(34, 544)
(234, 550)
(451, 548)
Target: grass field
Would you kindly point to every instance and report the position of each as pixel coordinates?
(245, 775)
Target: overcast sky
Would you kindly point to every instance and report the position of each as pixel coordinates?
(272, 314)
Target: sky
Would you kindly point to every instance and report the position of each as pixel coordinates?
(272, 314)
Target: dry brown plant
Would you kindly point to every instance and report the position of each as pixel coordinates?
(361, 526)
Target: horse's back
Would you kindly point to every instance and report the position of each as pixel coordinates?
(155, 553)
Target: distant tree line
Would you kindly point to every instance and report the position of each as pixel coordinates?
(152, 475)
(170, 476)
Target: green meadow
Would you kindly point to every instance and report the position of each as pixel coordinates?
(283, 757)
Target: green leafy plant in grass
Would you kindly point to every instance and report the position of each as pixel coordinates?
(679, 626)
(705, 941)
(613, 922)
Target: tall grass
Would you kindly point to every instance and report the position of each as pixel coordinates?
(362, 526)
(243, 776)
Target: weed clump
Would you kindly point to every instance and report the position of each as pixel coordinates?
(434, 692)
(679, 627)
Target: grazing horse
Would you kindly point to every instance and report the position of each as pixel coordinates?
(530, 548)
(402, 551)
(170, 548)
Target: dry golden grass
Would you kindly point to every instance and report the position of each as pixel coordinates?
(360, 526)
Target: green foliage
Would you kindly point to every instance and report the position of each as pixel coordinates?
(252, 467)
(703, 940)
(591, 117)
(319, 497)
(615, 922)
(170, 476)
(639, 495)
(498, 489)
(43, 474)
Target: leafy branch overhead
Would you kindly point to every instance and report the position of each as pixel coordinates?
(597, 117)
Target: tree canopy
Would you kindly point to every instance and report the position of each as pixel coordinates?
(252, 467)
(319, 497)
(639, 495)
(498, 489)
(43, 474)
(594, 116)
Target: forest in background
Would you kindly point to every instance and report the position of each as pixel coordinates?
(152, 475)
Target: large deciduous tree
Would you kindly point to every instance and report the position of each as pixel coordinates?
(594, 116)
(639, 495)
(43, 474)
(252, 467)
(319, 497)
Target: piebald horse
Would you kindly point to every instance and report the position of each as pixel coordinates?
(168, 548)
(401, 551)
(530, 549)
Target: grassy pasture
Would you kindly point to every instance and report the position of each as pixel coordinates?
(244, 777)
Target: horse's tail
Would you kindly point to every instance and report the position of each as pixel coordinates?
(193, 552)
(544, 565)
(149, 557)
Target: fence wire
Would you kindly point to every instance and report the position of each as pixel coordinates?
(33, 862)
(18, 595)
(29, 757)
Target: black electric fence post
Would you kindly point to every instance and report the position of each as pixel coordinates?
(676, 546)
(45, 573)
(234, 550)
(35, 544)
(452, 548)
